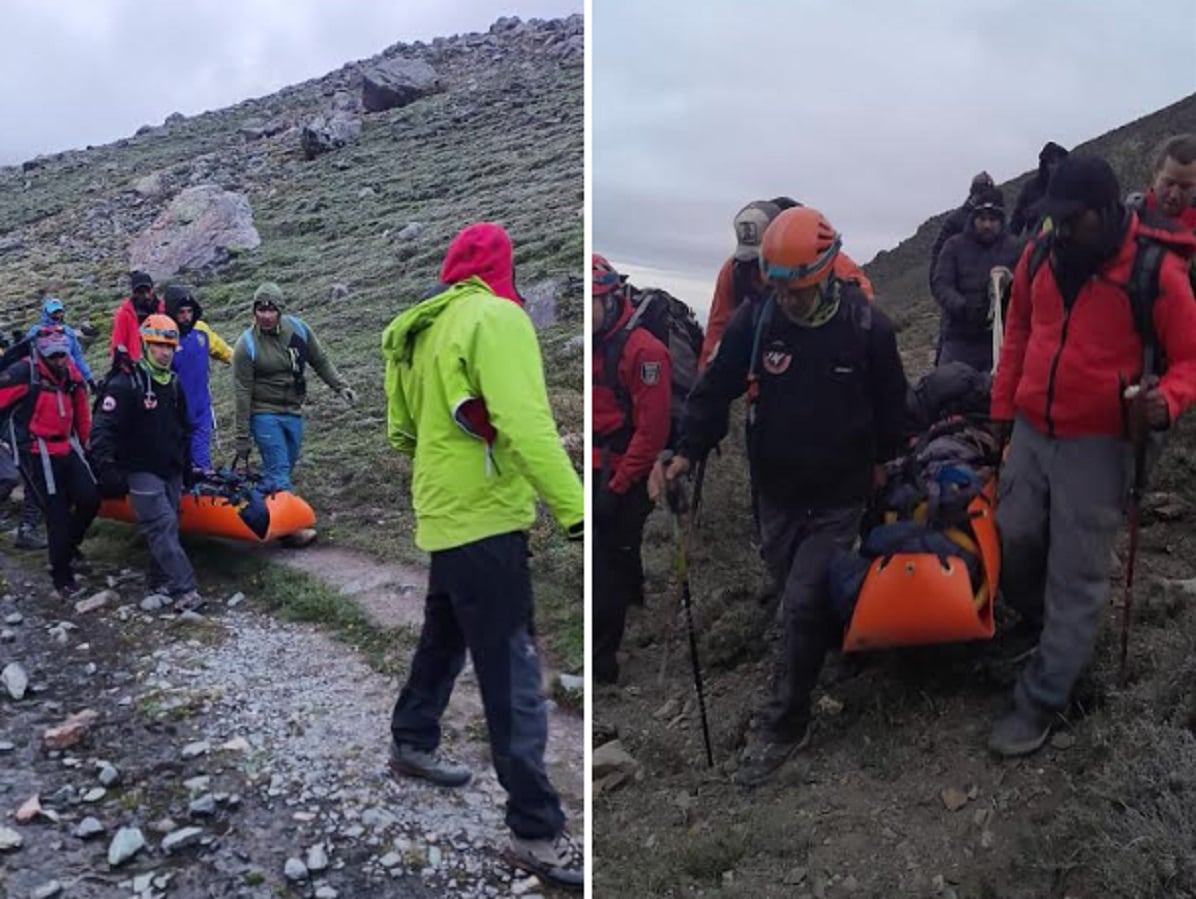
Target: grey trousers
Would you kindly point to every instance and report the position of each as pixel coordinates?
(1059, 511)
(156, 504)
(798, 546)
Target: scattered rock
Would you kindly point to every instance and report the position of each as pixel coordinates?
(71, 731)
(323, 135)
(203, 807)
(954, 799)
(338, 291)
(181, 839)
(108, 775)
(668, 711)
(828, 705)
(95, 794)
(610, 758)
(396, 82)
(87, 828)
(6, 746)
(201, 229)
(197, 784)
(390, 860)
(9, 839)
(196, 749)
(525, 886)
(127, 843)
(96, 601)
(410, 231)
(540, 301)
(295, 870)
(235, 600)
(30, 809)
(236, 744)
(14, 618)
(152, 603)
(15, 680)
(326, 892)
(317, 858)
(152, 185)
(47, 890)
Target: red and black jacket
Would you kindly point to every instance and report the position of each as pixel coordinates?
(631, 404)
(1064, 367)
(44, 407)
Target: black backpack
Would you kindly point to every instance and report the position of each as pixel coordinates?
(674, 324)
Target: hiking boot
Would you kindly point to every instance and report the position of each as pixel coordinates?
(301, 538)
(761, 759)
(558, 861)
(406, 761)
(1020, 731)
(191, 601)
(29, 538)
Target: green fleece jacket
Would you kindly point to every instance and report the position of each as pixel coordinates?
(464, 345)
(263, 380)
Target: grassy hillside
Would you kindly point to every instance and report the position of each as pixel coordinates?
(502, 142)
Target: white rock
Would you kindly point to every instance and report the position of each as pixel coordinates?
(47, 890)
(108, 775)
(15, 680)
(390, 860)
(317, 858)
(181, 839)
(295, 870)
(9, 839)
(127, 843)
(193, 750)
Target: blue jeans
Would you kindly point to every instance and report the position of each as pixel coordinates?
(278, 439)
(480, 600)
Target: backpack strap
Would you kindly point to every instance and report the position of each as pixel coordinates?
(1143, 290)
(250, 344)
(762, 318)
(612, 354)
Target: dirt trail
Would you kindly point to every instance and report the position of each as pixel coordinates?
(270, 736)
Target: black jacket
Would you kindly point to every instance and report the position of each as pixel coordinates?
(141, 426)
(1026, 217)
(829, 401)
(955, 223)
(960, 284)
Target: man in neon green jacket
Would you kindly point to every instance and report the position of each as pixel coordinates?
(466, 399)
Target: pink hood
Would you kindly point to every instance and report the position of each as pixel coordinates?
(483, 250)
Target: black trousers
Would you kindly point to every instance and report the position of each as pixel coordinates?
(69, 509)
(618, 571)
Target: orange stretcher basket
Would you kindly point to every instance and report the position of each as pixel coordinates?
(916, 600)
(217, 517)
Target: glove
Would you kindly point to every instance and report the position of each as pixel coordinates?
(113, 483)
(576, 532)
(1000, 429)
(349, 395)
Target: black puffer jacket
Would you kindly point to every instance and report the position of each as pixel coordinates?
(961, 279)
(955, 223)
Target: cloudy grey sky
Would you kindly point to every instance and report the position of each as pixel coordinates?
(876, 112)
(78, 72)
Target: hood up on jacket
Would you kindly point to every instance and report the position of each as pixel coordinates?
(484, 251)
(49, 307)
(176, 295)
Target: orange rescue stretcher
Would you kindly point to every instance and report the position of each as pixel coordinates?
(214, 516)
(914, 599)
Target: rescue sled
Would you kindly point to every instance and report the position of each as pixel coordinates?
(228, 517)
(916, 599)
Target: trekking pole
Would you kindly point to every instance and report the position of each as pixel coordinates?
(215, 428)
(1138, 431)
(675, 496)
(699, 480)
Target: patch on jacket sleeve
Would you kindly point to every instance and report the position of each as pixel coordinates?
(109, 403)
(650, 373)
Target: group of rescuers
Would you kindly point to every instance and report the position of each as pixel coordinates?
(825, 411)
(466, 399)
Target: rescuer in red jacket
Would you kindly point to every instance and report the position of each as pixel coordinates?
(632, 378)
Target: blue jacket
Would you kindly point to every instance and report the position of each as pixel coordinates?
(48, 308)
(192, 366)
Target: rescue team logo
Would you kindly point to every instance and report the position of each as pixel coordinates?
(777, 359)
(650, 373)
(109, 403)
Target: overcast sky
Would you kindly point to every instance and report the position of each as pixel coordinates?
(78, 72)
(877, 112)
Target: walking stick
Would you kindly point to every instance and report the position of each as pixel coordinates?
(675, 495)
(1138, 431)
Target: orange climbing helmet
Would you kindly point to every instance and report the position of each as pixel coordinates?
(799, 247)
(158, 328)
(603, 275)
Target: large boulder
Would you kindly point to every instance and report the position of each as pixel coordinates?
(325, 134)
(396, 82)
(198, 231)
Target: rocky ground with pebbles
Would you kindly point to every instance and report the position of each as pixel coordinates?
(149, 754)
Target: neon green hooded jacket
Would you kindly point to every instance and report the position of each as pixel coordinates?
(462, 367)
